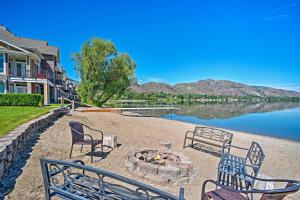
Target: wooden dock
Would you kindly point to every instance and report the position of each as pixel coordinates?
(93, 109)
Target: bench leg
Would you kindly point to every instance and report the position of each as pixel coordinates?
(184, 143)
(47, 194)
(71, 151)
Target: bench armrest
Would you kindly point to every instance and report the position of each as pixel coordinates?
(189, 132)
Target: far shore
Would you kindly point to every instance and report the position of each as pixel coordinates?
(135, 133)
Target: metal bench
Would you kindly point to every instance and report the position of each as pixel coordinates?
(74, 180)
(204, 138)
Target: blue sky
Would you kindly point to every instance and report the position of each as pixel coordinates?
(253, 42)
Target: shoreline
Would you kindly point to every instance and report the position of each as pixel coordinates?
(231, 130)
(136, 133)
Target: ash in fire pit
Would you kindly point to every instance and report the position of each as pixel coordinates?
(161, 166)
(158, 157)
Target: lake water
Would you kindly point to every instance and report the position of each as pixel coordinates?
(272, 119)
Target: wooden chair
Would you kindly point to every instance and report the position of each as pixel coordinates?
(231, 164)
(232, 193)
(80, 138)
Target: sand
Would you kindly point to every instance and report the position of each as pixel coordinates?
(134, 133)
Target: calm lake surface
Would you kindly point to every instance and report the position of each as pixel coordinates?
(272, 119)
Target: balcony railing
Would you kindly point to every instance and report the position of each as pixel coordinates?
(34, 74)
(58, 82)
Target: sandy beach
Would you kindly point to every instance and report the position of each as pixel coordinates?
(134, 133)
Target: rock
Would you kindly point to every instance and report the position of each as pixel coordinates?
(147, 168)
(139, 155)
(2, 168)
(169, 171)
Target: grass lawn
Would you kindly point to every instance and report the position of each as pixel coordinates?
(13, 116)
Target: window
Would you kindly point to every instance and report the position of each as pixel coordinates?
(1, 63)
(2, 87)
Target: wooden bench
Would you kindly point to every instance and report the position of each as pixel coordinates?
(204, 138)
(74, 180)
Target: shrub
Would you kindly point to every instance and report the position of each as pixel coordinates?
(21, 99)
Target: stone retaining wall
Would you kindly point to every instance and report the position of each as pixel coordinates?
(15, 140)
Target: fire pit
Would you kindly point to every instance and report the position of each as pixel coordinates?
(161, 166)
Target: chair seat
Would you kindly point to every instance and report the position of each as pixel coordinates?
(89, 142)
(223, 194)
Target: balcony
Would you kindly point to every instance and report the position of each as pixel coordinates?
(29, 74)
(59, 82)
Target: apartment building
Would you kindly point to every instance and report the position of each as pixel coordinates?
(31, 66)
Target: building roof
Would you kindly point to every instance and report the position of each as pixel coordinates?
(42, 46)
(27, 43)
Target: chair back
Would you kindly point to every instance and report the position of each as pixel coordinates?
(291, 187)
(255, 157)
(76, 131)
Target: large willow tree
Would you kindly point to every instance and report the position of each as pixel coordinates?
(103, 71)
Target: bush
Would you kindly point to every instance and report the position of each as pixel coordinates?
(21, 99)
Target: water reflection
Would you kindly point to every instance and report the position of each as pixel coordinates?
(272, 119)
(225, 111)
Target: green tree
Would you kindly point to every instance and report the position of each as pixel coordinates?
(103, 71)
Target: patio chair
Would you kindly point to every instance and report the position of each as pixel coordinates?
(231, 164)
(232, 193)
(80, 138)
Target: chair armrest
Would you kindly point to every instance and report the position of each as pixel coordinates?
(88, 135)
(253, 191)
(292, 188)
(97, 130)
(101, 133)
(90, 127)
(267, 180)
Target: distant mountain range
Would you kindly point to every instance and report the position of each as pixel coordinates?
(213, 87)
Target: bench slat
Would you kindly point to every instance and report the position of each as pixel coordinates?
(203, 141)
